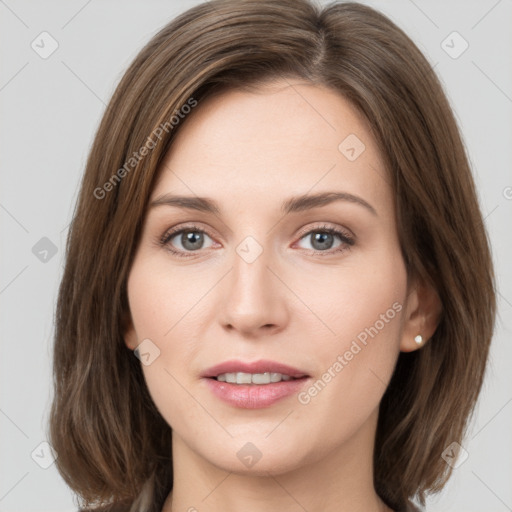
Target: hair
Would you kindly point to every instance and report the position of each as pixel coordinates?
(114, 447)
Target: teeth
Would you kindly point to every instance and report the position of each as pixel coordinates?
(252, 378)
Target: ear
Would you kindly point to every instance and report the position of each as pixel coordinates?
(422, 315)
(128, 330)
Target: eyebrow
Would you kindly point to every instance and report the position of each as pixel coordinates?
(292, 205)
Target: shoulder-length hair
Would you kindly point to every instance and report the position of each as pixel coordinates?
(111, 441)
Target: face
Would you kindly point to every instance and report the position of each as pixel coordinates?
(284, 252)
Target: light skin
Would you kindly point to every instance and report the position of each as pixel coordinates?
(300, 302)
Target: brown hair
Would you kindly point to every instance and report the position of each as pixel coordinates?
(108, 434)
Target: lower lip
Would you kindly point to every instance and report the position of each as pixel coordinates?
(254, 396)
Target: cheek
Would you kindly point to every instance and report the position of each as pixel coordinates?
(161, 298)
(364, 308)
(357, 301)
(166, 308)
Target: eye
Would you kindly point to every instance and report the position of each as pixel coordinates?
(325, 239)
(188, 239)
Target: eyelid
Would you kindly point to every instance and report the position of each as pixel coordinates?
(327, 226)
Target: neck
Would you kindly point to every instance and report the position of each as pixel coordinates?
(338, 481)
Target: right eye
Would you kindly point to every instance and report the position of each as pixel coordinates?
(189, 239)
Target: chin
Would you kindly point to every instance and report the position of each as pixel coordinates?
(257, 456)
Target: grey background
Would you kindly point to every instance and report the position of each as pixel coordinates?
(50, 111)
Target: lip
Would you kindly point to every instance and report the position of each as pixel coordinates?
(254, 396)
(261, 366)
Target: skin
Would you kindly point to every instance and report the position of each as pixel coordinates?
(251, 151)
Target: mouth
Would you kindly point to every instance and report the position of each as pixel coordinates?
(254, 385)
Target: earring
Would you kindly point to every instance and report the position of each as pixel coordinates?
(418, 339)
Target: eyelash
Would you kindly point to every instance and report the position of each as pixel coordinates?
(345, 238)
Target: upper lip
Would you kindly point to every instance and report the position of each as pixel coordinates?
(261, 366)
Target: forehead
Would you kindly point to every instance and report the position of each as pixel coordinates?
(285, 138)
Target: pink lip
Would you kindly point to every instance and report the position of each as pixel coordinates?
(254, 396)
(260, 366)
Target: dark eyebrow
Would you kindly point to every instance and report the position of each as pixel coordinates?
(294, 204)
(308, 201)
(202, 204)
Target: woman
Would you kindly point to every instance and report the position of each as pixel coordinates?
(278, 292)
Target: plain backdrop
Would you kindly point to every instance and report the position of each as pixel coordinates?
(50, 108)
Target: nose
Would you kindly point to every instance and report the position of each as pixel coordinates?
(253, 300)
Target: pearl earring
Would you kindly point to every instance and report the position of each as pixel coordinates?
(418, 339)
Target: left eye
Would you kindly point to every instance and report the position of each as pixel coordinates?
(325, 239)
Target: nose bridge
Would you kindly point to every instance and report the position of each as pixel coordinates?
(252, 298)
